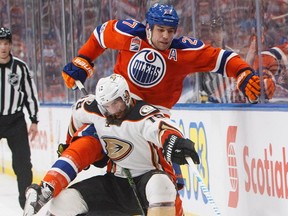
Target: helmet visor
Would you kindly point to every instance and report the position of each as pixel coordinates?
(116, 107)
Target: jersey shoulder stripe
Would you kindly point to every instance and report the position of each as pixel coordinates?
(112, 33)
(19, 62)
(141, 110)
(224, 57)
(91, 106)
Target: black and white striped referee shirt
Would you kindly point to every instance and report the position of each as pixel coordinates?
(17, 89)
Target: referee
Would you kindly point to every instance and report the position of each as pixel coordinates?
(17, 89)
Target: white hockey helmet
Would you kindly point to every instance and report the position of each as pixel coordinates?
(111, 88)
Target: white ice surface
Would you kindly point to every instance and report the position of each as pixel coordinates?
(9, 205)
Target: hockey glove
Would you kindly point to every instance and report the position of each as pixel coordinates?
(36, 197)
(61, 148)
(79, 69)
(176, 149)
(249, 83)
(269, 83)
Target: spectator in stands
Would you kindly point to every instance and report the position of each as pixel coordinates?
(214, 87)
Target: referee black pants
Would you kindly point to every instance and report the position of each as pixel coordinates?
(14, 129)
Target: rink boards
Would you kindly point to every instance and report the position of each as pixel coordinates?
(243, 152)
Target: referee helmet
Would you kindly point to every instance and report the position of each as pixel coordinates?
(5, 33)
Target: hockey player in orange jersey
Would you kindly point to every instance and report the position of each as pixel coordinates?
(154, 63)
(136, 137)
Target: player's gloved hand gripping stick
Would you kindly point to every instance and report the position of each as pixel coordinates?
(79, 69)
(175, 150)
(182, 151)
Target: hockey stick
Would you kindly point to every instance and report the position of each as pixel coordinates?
(202, 185)
(133, 186)
(81, 87)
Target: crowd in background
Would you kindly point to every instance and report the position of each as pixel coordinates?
(48, 33)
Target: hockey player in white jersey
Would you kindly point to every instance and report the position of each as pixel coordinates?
(141, 144)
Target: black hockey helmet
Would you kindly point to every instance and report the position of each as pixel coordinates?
(5, 33)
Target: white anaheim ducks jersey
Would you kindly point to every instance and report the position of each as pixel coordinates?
(137, 143)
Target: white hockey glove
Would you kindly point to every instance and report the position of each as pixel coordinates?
(176, 149)
(36, 197)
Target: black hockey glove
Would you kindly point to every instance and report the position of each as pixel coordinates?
(61, 148)
(36, 197)
(176, 149)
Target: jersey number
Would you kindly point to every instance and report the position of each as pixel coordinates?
(131, 25)
(190, 40)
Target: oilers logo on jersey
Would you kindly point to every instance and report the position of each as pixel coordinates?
(147, 68)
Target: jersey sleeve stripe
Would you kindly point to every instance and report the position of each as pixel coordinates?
(66, 167)
(99, 34)
(223, 58)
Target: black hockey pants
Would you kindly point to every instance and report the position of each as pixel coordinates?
(14, 129)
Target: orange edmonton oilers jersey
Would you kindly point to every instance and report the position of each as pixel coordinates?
(157, 76)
